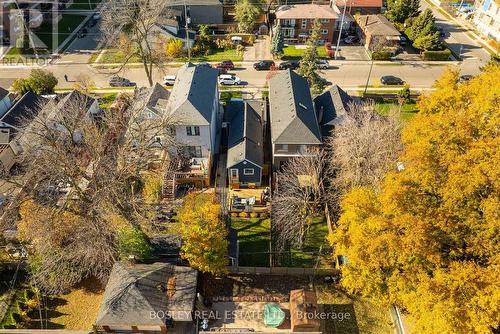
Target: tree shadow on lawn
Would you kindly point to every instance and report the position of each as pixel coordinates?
(341, 319)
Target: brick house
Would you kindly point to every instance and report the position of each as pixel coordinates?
(359, 6)
(297, 21)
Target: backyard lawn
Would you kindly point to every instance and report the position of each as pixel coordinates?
(78, 309)
(254, 234)
(106, 100)
(364, 317)
(292, 51)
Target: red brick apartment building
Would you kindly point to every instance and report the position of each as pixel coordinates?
(296, 22)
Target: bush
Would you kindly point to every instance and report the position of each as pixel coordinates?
(225, 44)
(381, 55)
(174, 48)
(234, 214)
(132, 241)
(39, 82)
(254, 215)
(251, 40)
(243, 215)
(264, 215)
(436, 55)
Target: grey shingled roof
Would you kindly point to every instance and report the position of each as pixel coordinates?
(293, 119)
(157, 99)
(193, 95)
(75, 98)
(330, 106)
(245, 133)
(135, 290)
(24, 109)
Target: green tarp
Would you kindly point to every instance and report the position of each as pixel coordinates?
(273, 315)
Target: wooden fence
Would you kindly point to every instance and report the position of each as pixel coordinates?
(282, 271)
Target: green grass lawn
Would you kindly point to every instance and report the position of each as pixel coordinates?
(408, 110)
(85, 4)
(218, 55)
(106, 100)
(253, 235)
(20, 55)
(65, 27)
(116, 57)
(292, 52)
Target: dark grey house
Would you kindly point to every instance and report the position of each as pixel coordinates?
(202, 12)
(331, 107)
(245, 155)
(294, 124)
(148, 298)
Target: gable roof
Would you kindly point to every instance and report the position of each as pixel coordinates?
(135, 290)
(245, 140)
(157, 99)
(24, 108)
(193, 95)
(377, 25)
(306, 11)
(3, 93)
(75, 98)
(360, 3)
(331, 106)
(293, 119)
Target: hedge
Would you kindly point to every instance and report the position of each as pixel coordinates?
(381, 55)
(436, 55)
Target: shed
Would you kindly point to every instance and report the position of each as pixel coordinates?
(303, 303)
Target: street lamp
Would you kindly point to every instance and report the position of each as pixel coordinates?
(340, 31)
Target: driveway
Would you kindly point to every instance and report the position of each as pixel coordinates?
(352, 52)
(260, 50)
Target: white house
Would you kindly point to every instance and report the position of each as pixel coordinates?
(487, 18)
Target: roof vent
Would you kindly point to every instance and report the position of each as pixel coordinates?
(302, 105)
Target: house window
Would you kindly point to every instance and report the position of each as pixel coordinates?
(193, 130)
(304, 23)
(248, 171)
(324, 31)
(282, 148)
(194, 151)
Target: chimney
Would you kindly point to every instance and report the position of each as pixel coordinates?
(320, 114)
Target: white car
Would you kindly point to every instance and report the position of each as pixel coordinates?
(322, 64)
(229, 79)
(169, 80)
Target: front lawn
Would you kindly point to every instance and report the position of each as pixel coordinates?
(363, 317)
(85, 4)
(218, 55)
(67, 24)
(408, 110)
(293, 52)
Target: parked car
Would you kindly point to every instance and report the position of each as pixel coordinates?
(225, 64)
(391, 80)
(403, 41)
(263, 65)
(351, 39)
(205, 64)
(229, 79)
(322, 64)
(117, 81)
(289, 64)
(169, 80)
(465, 78)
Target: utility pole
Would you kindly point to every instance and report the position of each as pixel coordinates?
(368, 79)
(187, 30)
(340, 30)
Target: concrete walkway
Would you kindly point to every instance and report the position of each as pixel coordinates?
(260, 50)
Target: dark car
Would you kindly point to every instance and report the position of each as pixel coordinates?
(117, 81)
(205, 64)
(289, 64)
(263, 65)
(391, 80)
(225, 64)
(465, 77)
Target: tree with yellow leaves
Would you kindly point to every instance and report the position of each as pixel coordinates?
(203, 234)
(428, 240)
